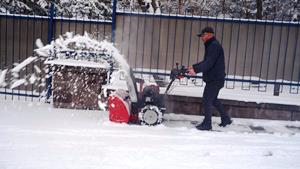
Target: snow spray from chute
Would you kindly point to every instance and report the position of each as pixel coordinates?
(66, 42)
(12, 77)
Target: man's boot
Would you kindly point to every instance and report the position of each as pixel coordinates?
(205, 125)
(225, 121)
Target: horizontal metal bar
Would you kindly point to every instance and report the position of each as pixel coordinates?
(19, 94)
(21, 16)
(168, 16)
(78, 20)
(205, 18)
(227, 79)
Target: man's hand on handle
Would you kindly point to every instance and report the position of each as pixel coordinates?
(191, 71)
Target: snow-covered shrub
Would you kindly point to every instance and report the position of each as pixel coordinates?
(82, 9)
(91, 9)
(102, 9)
(247, 9)
(37, 7)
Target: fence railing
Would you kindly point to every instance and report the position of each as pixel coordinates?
(257, 52)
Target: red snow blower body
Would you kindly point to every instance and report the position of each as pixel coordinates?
(144, 107)
(119, 107)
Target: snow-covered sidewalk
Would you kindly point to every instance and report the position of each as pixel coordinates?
(35, 135)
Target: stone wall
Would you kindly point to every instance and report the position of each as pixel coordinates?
(239, 109)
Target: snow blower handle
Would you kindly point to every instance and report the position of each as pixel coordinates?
(177, 73)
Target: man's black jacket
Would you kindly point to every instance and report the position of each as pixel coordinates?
(213, 65)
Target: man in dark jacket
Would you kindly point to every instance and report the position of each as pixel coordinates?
(213, 68)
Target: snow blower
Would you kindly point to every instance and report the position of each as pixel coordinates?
(145, 107)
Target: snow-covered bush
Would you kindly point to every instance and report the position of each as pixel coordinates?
(29, 7)
(91, 9)
(248, 9)
(102, 9)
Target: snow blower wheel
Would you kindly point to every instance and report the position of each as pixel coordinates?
(150, 115)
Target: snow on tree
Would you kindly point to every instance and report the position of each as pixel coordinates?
(102, 9)
(281, 9)
(248, 9)
(37, 7)
(151, 6)
(92, 9)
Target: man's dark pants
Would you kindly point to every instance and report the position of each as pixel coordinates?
(210, 98)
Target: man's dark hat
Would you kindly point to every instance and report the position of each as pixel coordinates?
(206, 30)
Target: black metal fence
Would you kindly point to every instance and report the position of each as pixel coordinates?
(259, 53)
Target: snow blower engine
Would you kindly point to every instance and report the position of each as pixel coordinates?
(145, 107)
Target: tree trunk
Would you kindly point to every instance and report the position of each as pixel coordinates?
(259, 9)
(180, 7)
(223, 7)
(247, 9)
(143, 5)
(154, 5)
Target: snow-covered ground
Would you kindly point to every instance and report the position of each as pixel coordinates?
(34, 135)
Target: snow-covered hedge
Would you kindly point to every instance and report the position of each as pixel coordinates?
(248, 9)
(102, 9)
(92, 9)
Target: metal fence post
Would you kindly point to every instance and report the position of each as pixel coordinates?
(50, 37)
(50, 22)
(114, 17)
